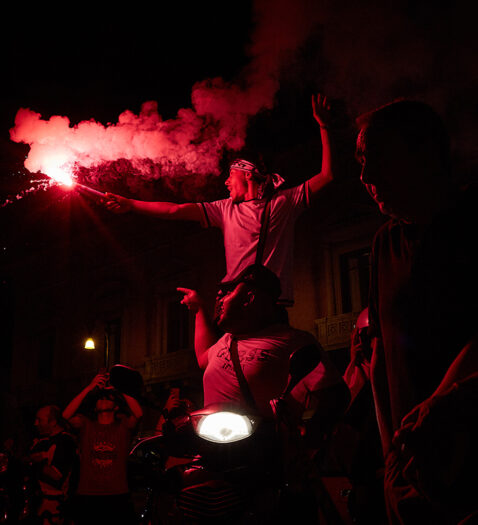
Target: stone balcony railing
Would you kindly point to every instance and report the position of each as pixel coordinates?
(334, 331)
(170, 366)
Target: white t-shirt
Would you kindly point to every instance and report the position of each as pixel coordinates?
(241, 225)
(264, 358)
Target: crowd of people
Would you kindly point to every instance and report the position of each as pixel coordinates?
(400, 421)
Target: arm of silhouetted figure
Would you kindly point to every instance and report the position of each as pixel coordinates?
(451, 405)
(462, 368)
(381, 395)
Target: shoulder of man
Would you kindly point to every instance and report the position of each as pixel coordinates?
(220, 203)
(68, 438)
(289, 192)
(293, 334)
(78, 421)
(41, 445)
(65, 447)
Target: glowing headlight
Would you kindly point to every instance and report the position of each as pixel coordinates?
(224, 427)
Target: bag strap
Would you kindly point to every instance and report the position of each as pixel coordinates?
(263, 233)
(245, 390)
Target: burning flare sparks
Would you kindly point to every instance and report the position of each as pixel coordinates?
(60, 175)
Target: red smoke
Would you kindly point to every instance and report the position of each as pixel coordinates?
(192, 144)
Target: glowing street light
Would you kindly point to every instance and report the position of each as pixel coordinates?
(89, 344)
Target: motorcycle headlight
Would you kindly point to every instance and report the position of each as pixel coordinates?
(224, 427)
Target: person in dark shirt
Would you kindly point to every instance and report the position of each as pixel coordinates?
(423, 311)
(53, 457)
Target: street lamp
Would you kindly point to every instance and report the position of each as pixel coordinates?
(90, 345)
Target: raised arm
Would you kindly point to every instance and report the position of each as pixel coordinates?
(164, 210)
(99, 380)
(204, 334)
(134, 406)
(321, 112)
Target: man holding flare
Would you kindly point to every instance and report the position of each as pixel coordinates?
(240, 216)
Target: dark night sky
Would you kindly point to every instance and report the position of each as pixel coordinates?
(89, 65)
(92, 65)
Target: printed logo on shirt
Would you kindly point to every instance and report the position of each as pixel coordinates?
(104, 453)
(224, 357)
(250, 355)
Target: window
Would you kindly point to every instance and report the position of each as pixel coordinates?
(177, 326)
(354, 279)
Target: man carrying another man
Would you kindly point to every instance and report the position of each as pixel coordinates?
(254, 331)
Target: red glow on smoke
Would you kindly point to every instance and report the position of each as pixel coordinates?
(189, 146)
(192, 143)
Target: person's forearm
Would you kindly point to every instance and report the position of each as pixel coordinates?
(75, 403)
(463, 367)
(159, 425)
(204, 337)
(167, 210)
(327, 168)
(52, 472)
(161, 209)
(134, 406)
(381, 395)
(326, 175)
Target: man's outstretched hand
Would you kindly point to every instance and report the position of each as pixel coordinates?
(191, 299)
(116, 203)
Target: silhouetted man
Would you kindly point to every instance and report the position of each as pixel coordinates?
(423, 313)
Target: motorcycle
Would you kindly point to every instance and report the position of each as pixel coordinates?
(224, 464)
(220, 466)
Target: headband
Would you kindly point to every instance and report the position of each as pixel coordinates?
(245, 165)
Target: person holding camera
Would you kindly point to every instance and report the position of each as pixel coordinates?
(102, 495)
(174, 409)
